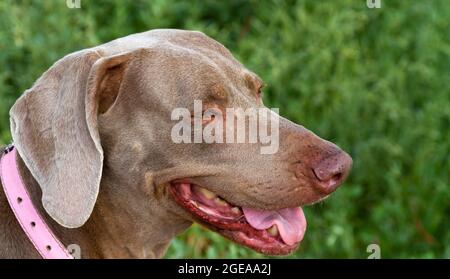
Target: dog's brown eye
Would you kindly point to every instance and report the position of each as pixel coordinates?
(207, 116)
(260, 91)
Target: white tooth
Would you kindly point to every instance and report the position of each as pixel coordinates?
(236, 210)
(273, 230)
(194, 203)
(208, 194)
(220, 202)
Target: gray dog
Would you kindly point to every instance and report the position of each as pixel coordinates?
(93, 136)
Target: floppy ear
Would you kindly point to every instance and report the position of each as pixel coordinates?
(54, 128)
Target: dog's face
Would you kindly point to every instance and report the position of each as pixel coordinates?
(232, 188)
(248, 196)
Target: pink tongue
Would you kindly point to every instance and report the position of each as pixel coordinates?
(291, 222)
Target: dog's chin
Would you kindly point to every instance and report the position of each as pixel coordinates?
(230, 221)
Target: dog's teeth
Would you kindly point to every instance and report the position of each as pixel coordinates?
(236, 210)
(194, 203)
(273, 230)
(220, 202)
(207, 194)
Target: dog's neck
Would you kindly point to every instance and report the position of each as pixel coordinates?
(113, 230)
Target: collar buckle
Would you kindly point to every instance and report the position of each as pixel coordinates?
(9, 148)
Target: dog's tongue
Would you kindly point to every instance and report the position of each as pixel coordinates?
(291, 222)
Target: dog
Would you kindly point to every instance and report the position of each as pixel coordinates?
(94, 150)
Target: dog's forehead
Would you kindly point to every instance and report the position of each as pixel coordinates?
(169, 39)
(189, 49)
(190, 64)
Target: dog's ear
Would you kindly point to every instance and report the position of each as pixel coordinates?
(54, 128)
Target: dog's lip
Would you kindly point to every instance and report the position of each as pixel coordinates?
(233, 226)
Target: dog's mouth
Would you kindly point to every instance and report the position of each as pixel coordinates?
(277, 232)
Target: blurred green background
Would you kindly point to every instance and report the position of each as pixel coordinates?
(374, 81)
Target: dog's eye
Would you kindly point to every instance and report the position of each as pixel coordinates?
(260, 92)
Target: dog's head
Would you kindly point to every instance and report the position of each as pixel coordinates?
(124, 114)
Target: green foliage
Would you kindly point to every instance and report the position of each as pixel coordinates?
(375, 81)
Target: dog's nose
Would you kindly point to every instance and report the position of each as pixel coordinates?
(332, 171)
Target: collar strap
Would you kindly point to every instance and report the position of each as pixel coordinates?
(34, 226)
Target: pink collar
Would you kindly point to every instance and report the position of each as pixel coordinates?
(43, 239)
